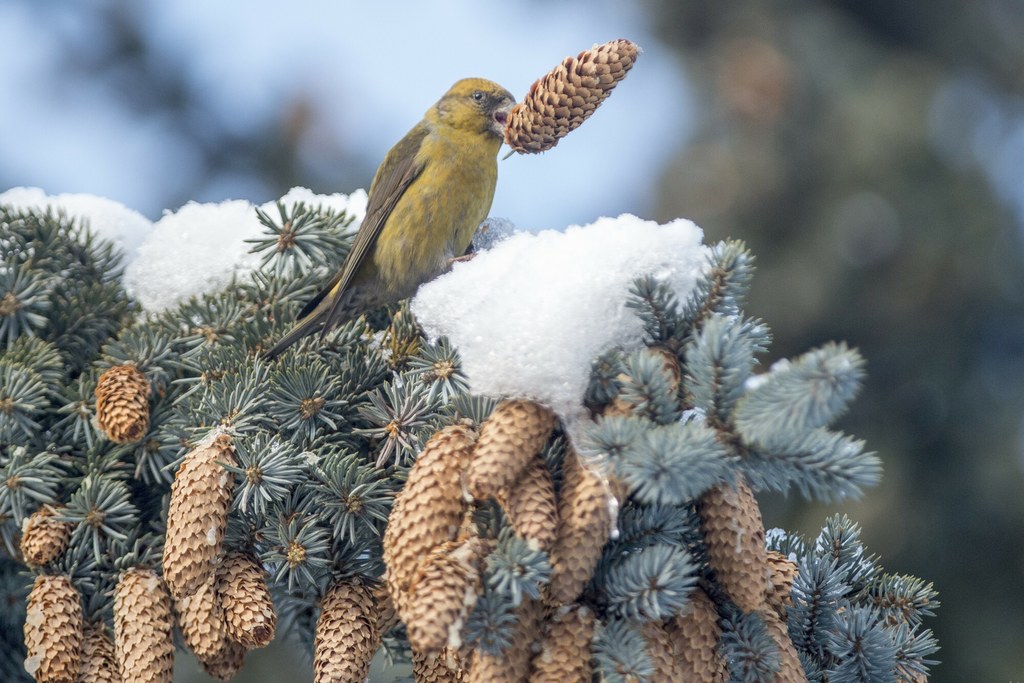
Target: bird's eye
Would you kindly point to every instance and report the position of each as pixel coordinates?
(478, 95)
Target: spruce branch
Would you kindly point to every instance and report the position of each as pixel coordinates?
(24, 301)
(650, 584)
(620, 653)
(301, 238)
(267, 470)
(807, 393)
(354, 496)
(723, 288)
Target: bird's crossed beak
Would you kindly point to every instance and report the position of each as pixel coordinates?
(499, 119)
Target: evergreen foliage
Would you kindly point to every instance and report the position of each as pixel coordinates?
(325, 435)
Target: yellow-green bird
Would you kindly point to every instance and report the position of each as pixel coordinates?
(426, 200)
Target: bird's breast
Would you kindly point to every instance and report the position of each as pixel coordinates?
(437, 215)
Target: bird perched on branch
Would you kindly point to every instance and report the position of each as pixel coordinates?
(426, 200)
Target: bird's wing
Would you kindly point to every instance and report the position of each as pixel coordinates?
(398, 170)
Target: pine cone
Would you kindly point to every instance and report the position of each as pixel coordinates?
(43, 538)
(784, 571)
(201, 620)
(734, 540)
(509, 438)
(442, 667)
(695, 637)
(530, 504)
(388, 618)
(661, 650)
(226, 662)
(122, 403)
(346, 633)
(443, 593)
(584, 523)
(99, 665)
(790, 668)
(249, 616)
(53, 630)
(513, 664)
(198, 515)
(142, 627)
(428, 510)
(566, 649)
(566, 96)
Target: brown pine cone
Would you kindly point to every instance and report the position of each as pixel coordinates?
(226, 662)
(566, 647)
(734, 540)
(346, 633)
(661, 650)
(43, 538)
(530, 504)
(122, 403)
(142, 627)
(784, 572)
(442, 667)
(790, 668)
(428, 510)
(198, 515)
(509, 438)
(566, 96)
(249, 615)
(513, 664)
(584, 523)
(201, 620)
(695, 637)
(53, 630)
(443, 593)
(99, 664)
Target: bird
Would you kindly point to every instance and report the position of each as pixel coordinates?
(426, 200)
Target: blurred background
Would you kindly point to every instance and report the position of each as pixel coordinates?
(871, 153)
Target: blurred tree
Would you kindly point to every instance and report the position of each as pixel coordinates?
(818, 147)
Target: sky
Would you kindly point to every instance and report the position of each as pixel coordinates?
(369, 75)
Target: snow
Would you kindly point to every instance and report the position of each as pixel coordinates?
(530, 315)
(200, 247)
(196, 249)
(111, 220)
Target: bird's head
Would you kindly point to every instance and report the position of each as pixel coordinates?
(476, 104)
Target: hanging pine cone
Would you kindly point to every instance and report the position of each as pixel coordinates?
(249, 616)
(43, 538)
(734, 539)
(530, 504)
(99, 664)
(122, 403)
(428, 510)
(142, 627)
(346, 633)
(662, 654)
(53, 630)
(198, 515)
(226, 662)
(566, 96)
(783, 573)
(201, 620)
(509, 438)
(443, 593)
(440, 667)
(695, 635)
(566, 648)
(584, 522)
(790, 668)
(513, 664)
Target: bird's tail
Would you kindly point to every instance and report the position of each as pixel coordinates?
(304, 327)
